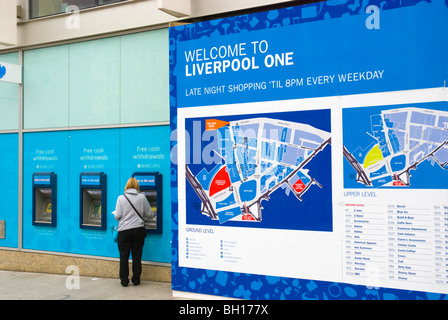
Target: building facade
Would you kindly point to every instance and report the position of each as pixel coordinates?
(289, 149)
(94, 97)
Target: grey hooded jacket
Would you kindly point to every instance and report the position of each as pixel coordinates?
(126, 215)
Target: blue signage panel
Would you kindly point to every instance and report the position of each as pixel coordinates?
(9, 183)
(307, 140)
(99, 150)
(145, 154)
(77, 157)
(90, 180)
(146, 180)
(91, 195)
(44, 180)
(320, 49)
(45, 152)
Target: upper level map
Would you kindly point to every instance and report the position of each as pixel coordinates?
(403, 139)
(259, 155)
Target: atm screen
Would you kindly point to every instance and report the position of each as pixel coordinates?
(95, 212)
(91, 207)
(45, 212)
(152, 199)
(151, 196)
(48, 208)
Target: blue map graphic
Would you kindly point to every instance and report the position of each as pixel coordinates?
(391, 146)
(266, 172)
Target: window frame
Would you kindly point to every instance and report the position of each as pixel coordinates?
(97, 3)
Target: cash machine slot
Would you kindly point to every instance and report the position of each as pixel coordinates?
(93, 197)
(44, 199)
(151, 186)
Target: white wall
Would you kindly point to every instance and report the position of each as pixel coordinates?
(8, 26)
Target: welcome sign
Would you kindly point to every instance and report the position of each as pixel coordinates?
(310, 152)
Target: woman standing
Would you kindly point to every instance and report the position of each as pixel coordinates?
(130, 210)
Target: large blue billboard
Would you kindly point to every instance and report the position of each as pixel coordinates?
(309, 154)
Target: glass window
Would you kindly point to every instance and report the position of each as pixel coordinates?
(145, 77)
(9, 97)
(45, 85)
(42, 8)
(101, 2)
(94, 80)
(122, 79)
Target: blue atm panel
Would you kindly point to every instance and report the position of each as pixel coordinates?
(44, 199)
(151, 186)
(93, 200)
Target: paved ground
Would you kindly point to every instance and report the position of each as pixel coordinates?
(39, 286)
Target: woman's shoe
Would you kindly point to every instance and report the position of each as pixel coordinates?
(124, 283)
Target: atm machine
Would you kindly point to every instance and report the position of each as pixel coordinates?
(93, 200)
(151, 186)
(44, 199)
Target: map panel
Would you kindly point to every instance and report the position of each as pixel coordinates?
(403, 146)
(253, 157)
